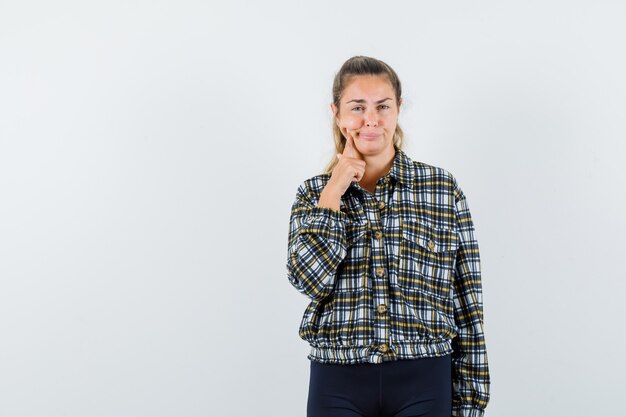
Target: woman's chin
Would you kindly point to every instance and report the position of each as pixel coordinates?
(370, 147)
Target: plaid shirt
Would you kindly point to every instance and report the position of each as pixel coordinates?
(393, 275)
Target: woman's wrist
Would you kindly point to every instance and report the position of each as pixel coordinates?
(330, 198)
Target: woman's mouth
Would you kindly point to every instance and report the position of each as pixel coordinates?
(369, 136)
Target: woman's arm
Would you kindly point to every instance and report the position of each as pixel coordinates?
(470, 371)
(316, 245)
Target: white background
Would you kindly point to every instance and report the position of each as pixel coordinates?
(150, 152)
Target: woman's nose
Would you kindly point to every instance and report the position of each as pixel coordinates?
(371, 118)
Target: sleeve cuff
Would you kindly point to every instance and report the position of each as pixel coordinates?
(467, 411)
(322, 220)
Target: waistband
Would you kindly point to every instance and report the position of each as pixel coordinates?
(404, 349)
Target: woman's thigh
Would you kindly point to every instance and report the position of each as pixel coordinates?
(402, 388)
(343, 390)
(417, 387)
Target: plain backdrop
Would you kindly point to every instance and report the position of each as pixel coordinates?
(150, 152)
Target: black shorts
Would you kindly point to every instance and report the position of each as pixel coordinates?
(402, 388)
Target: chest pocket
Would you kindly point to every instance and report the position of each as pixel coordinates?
(353, 273)
(427, 255)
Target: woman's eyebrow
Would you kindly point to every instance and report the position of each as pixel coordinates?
(360, 100)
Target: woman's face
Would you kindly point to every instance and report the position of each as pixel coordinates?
(368, 111)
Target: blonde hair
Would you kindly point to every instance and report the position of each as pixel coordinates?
(355, 66)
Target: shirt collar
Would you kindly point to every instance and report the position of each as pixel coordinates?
(402, 168)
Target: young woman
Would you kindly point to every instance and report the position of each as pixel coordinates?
(384, 248)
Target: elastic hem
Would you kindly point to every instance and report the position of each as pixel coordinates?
(404, 349)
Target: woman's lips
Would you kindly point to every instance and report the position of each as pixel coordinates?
(369, 136)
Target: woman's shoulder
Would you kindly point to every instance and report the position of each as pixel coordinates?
(424, 171)
(428, 174)
(429, 170)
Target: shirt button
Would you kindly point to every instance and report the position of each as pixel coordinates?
(382, 308)
(383, 348)
(332, 223)
(380, 272)
(378, 234)
(431, 244)
(381, 205)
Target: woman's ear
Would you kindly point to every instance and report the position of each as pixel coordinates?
(333, 108)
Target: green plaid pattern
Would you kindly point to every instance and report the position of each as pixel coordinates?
(393, 275)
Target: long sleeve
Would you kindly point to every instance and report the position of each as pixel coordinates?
(316, 245)
(470, 371)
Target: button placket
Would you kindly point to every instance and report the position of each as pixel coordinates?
(378, 271)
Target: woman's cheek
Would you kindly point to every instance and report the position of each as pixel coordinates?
(352, 123)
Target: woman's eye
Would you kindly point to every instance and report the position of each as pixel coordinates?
(384, 106)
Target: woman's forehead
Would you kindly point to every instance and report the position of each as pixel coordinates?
(369, 88)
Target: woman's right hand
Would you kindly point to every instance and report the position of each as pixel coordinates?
(351, 166)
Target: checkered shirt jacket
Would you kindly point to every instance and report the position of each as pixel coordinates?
(393, 275)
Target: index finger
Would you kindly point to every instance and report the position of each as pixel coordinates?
(349, 150)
